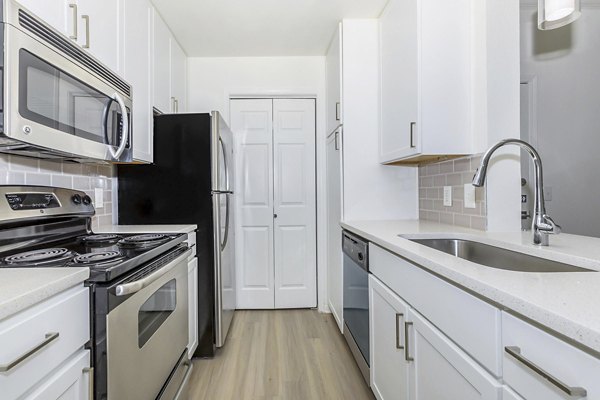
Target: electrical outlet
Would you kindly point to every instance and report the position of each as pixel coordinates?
(448, 196)
(470, 196)
(98, 198)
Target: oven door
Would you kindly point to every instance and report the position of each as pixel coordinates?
(55, 106)
(147, 333)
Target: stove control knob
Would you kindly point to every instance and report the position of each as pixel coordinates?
(87, 200)
(76, 199)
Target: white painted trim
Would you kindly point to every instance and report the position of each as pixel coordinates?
(320, 159)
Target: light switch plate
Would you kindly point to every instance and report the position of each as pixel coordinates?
(98, 198)
(448, 196)
(470, 196)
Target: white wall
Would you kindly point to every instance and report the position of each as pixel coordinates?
(564, 65)
(496, 75)
(212, 81)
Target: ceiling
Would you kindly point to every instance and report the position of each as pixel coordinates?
(253, 28)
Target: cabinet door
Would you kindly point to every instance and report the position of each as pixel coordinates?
(389, 367)
(334, 231)
(399, 35)
(161, 47)
(137, 70)
(193, 305)
(440, 370)
(99, 30)
(60, 14)
(178, 78)
(71, 381)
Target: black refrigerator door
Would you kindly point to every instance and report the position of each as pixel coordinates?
(176, 189)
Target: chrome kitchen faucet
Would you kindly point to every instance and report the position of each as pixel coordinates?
(542, 224)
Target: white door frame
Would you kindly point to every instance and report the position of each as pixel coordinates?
(318, 94)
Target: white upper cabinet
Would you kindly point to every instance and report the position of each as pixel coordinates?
(60, 14)
(178, 77)
(161, 42)
(137, 70)
(99, 30)
(425, 80)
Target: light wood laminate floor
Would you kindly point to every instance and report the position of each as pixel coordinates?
(280, 354)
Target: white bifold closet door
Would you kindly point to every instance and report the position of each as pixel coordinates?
(276, 203)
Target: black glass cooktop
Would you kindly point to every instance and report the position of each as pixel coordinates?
(107, 255)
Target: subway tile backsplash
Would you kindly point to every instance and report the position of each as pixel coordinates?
(16, 170)
(454, 173)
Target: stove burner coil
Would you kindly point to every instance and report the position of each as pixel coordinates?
(145, 240)
(98, 258)
(37, 257)
(101, 239)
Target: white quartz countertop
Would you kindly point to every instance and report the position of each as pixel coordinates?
(23, 287)
(565, 302)
(146, 228)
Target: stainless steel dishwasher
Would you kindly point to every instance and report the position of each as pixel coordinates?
(356, 299)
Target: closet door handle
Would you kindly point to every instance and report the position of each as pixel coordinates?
(399, 345)
(73, 8)
(86, 18)
(412, 135)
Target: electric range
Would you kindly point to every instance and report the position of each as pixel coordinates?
(138, 288)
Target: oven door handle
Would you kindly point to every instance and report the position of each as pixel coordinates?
(133, 287)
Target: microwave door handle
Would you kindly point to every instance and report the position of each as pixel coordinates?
(125, 122)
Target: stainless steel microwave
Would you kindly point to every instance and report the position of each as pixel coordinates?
(57, 100)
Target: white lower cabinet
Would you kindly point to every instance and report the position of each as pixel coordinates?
(412, 359)
(538, 365)
(71, 381)
(440, 370)
(389, 368)
(193, 305)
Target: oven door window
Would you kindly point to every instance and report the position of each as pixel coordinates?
(53, 98)
(155, 311)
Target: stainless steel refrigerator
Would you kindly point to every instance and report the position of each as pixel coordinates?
(191, 182)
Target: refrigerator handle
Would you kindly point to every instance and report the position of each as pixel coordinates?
(227, 187)
(226, 234)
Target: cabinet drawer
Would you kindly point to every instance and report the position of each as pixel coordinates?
(470, 322)
(533, 359)
(66, 314)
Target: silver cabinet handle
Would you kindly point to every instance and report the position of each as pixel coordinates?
(86, 18)
(176, 105)
(337, 111)
(398, 318)
(172, 104)
(136, 286)
(73, 8)
(407, 356)
(412, 135)
(185, 380)
(90, 371)
(50, 337)
(337, 140)
(569, 390)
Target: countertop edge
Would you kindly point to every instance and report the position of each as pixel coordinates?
(39, 293)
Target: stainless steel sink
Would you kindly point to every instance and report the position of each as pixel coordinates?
(496, 257)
